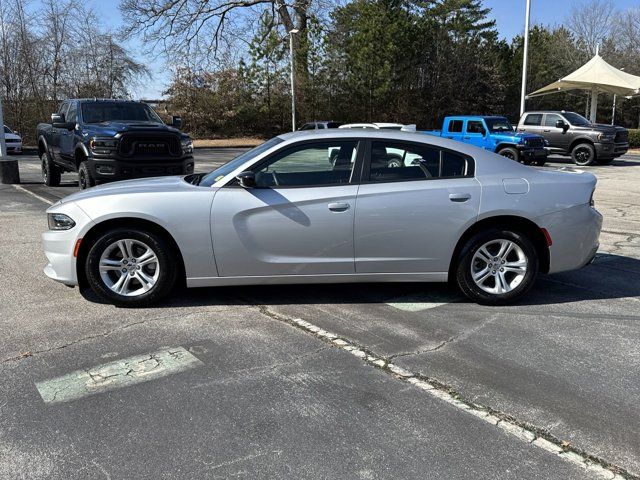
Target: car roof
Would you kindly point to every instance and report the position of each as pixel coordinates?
(559, 112)
(476, 116)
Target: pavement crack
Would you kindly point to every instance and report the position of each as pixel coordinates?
(30, 353)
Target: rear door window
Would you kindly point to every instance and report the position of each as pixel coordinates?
(391, 161)
(533, 119)
(455, 126)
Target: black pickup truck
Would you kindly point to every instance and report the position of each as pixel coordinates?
(106, 140)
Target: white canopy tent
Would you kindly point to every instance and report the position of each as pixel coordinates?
(595, 76)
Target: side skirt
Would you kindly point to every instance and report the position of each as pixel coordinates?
(302, 279)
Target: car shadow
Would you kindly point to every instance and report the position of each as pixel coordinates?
(608, 277)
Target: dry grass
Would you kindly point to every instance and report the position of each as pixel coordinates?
(228, 142)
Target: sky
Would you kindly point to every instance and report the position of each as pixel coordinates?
(508, 14)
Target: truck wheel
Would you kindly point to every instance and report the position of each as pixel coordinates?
(85, 179)
(511, 153)
(131, 267)
(583, 154)
(497, 266)
(51, 174)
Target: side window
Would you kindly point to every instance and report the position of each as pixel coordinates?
(455, 126)
(398, 162)
(72, 115)
(551, 119)
(309, 164)
(533, 119)
(475, 126)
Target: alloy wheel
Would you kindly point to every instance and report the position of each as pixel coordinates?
(129, 267)
(583, 155)
(499, 266)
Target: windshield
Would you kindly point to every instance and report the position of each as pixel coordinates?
(576, 120)
(7, 129)
(98, 112)
(221, 172)
(498, 125)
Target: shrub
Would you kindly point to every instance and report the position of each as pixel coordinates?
(634, 138)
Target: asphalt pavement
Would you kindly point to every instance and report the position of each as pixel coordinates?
(321, 381)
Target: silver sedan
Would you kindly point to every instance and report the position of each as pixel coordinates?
(326, 207)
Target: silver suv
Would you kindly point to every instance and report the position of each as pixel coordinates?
(570, 134)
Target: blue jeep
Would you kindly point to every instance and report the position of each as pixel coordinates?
(497, 135)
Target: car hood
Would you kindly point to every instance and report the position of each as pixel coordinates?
(112, 128)
(133, 187)
(514, 137)
(600, 127)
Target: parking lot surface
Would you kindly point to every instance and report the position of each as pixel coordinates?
(267, 382)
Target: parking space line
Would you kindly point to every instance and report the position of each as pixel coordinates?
(118, 374)
(418, 303)
(518, 430)
(35, 195)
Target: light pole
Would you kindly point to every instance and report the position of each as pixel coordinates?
(525, 59)
(613, 112)
(9, 172)
(293, 79)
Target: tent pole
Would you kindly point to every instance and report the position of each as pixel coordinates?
(594, 105)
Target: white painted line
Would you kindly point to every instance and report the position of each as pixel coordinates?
(29, 192)
(118, 374)
(419, 303)
(436, 390)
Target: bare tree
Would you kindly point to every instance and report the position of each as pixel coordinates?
(592, 23)
(196, 29)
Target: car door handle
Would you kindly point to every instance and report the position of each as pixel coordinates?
(459, 197)
(546, 130)
(339, 206)
(466, 138)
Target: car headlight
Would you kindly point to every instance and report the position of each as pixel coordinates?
(187, 145)
(606, 137)
(98, 143)
(60, 221)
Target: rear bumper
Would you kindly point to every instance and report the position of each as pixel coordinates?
(575, 234)
(106, 169)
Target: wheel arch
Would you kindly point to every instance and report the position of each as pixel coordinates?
(42, 145)
(521, 224)
(580, 140)
(123, 222)
(503, 145)
(80, 154)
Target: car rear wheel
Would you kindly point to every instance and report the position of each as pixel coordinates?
(130, 267)
(583, 154)
(85, 179)
(497, 267)
(51, 174)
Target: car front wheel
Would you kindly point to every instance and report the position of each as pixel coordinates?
(85, 179)
(130, 267)
(497, 267)
(583, 154)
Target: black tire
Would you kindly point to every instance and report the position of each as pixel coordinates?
(85, 179)
(165, 262)
(510, 153)
(51, 174)
(464, 276)
(604, 161)
(583, 154)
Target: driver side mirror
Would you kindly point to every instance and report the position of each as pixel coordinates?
(176, 121)
(562, 125)
(247, 179)
(58, 120)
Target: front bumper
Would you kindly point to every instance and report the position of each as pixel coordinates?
(534, 154)
(14, 147)
(611, 150)
(575, 234)
(59, 245)
(108, 169)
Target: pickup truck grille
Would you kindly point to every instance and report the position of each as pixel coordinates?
(150, 146)
(534, 143)
(622, 137)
